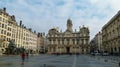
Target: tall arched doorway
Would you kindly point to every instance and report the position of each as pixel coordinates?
(68, 50)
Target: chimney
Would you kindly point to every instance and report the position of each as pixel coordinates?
(13, 18)
(38, 34)
(41, 34)
(30, 29)
(34, 31)
(20, 23)
(4, 9)
(25, 27)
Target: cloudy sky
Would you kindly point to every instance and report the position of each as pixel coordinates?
(41, 15)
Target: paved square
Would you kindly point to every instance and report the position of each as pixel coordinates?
(54, 61)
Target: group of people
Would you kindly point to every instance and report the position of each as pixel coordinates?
(24, 55)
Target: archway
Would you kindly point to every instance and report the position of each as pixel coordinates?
(68, 50)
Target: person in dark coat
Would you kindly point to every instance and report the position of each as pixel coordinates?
(23, 55)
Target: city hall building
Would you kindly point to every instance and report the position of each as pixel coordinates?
(69, 41)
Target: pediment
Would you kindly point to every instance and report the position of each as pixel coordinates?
(67, 34)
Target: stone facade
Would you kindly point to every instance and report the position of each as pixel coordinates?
(26, 38)
(11, 30)
(41, 43)
(111, 35)
(96, 43)
(68, 41)
(7, 29)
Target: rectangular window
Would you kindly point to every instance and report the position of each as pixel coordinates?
(0, 13)
(9, 34)
(1, 31)
(7, 39)
(10, 29)
(3, 20)
(5, 32)
(6, 21)
(0, 18)
(5, 26)
(2, 25)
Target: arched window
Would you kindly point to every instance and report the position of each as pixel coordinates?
(67, 41)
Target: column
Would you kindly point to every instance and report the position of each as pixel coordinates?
(51, 41)
(75, 41)
(60, 41)
(70, 41)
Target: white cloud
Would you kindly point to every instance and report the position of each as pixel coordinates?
(94, 1)
(41, 15)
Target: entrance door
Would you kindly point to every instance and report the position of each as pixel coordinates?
(68, 50)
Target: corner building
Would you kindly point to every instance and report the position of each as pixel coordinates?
(7, 29)
(11, 30)
(26, 38)
(68, 41)
(111, 35)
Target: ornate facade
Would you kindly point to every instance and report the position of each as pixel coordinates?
(68, 41)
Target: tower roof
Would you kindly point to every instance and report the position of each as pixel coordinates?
(69, 21)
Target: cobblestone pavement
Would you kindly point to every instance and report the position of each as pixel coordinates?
(55, 61)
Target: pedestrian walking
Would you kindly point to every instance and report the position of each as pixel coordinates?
(23, 57)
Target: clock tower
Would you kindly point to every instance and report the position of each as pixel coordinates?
(69, 25)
